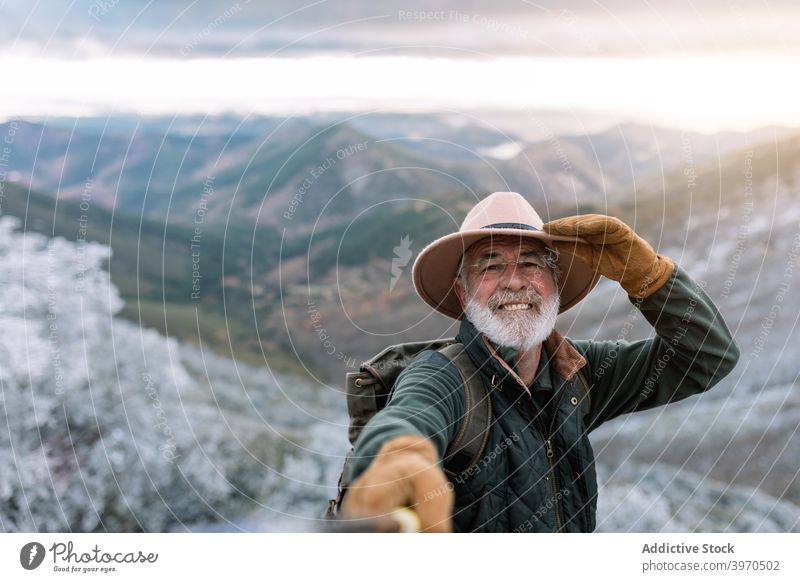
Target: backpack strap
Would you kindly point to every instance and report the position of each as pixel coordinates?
(470, 441)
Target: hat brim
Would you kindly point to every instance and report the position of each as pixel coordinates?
(436, 267)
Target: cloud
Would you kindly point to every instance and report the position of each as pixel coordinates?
(202, 28)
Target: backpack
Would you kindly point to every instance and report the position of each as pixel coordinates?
(368, 391)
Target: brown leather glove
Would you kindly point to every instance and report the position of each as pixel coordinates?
(403, 474)
(613, 250)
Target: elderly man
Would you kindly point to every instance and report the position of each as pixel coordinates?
(507, 276)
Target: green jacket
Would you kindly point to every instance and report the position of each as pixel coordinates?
(537, 472)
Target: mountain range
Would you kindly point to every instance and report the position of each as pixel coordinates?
(297, 229)
(259, 220)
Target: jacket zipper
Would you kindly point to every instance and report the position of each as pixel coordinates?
(549, 452)
(548, 445)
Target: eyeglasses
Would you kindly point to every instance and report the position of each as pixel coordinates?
(529, 267)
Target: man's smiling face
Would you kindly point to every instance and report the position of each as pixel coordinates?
(508, 290)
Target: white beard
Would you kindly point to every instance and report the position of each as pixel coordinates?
(519, 330)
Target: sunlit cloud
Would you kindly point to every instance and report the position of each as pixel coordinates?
(701, 92)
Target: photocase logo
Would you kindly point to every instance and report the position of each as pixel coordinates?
(31, 555)
(402, 254)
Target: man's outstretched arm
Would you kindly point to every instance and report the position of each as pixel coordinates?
(397, 457)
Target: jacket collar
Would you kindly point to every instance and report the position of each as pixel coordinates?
(557, 352)
(564, 358)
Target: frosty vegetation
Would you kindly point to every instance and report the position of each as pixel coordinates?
(108, 427)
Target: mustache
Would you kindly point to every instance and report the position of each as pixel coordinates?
(531, 296)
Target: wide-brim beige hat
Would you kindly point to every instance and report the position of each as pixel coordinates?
(502, 213)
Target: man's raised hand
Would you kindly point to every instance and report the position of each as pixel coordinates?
(612, 249)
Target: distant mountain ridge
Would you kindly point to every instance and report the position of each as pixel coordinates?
(258, 166)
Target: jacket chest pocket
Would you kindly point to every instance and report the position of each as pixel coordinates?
(584, 479)
(577, 469)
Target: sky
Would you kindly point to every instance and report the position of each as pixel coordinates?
(706, 66)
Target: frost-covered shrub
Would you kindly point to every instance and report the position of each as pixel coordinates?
(106, 426)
